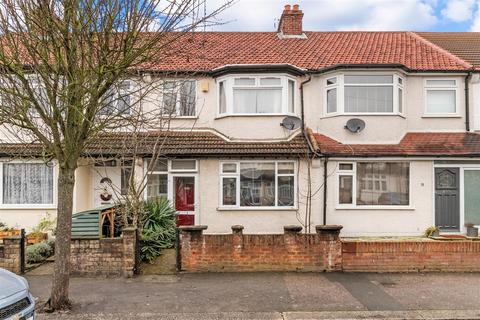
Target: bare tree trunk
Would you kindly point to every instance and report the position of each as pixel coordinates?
(59, 297)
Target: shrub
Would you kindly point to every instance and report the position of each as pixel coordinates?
(40, 252)
(159, 229)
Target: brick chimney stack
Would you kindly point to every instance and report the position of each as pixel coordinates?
(291, 21)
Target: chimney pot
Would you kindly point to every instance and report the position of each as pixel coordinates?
(296, 7)
(287, 7)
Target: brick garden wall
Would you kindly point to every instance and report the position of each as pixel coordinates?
(10, 251)
(290, 251)
(105, 257)
(411, 256)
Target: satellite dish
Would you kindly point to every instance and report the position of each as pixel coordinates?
(291, 123)
(355, 125)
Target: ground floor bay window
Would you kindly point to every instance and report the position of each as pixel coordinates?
(365, 184)
(27, 185)
(258, 184)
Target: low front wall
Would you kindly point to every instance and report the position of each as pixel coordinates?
(235, 252)
(105, 257)
(411, 256)
(10, 254)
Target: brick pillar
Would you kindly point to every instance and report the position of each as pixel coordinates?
(129, 236)
(191, 239)
(237, 231)
(12, 251)
(292, 244)
(330, 235)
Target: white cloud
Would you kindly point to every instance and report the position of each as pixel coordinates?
(458, 10)
(475, 26)
(260, 15)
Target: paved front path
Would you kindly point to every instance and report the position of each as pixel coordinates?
(267, 295)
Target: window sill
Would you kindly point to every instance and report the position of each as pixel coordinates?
(255, 115)
(257, 209)
(179, 117)
(362, 115)
(405, 208)
(441, 116)
(28, 207)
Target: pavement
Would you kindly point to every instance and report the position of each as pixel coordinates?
(270, 296)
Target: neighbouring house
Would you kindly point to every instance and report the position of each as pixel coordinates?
(381, 136)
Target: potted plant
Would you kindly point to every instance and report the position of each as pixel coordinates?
(40, 232)
(6, 232)
(472, 231)
(432, 232)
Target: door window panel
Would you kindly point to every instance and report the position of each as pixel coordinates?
(472, 198)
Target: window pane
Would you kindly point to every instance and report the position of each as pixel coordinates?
(286, 167)
(222, 98)
(157, 186)
(441, 83)
(255, 101)
(331, 100)
(187, 98)
(472, 200)
(286, 191)
(400, 100)
(257, 184)
(441, 101)
(370, 79)
(382, 183)
(160, 165)
(368, 99)
(229, 191)
(345, 189)
(346, 166)
(169, 98)
(244, 81)
(291, 96)
(270, 81)
(229, 168)
(183, 164)
(331, 81)
(27, 183)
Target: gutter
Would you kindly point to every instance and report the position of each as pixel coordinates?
(467, 101)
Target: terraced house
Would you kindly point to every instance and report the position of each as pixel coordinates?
(375, 131)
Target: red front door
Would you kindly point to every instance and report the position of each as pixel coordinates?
(184, 199)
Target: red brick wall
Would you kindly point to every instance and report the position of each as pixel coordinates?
(410, 256)
(279, 252)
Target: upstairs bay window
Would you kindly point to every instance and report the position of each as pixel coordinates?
(441, 96)
(364, 94)
(179, 97)
(118, 99)
(251, 95)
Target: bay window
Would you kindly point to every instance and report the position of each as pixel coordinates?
(441, 96)
(373, 184)
(179, 97)
(118, 99)
(364, 94)
(250, 184)
(250, 95)
(26, 184)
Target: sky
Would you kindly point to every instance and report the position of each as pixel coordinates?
(319, 15)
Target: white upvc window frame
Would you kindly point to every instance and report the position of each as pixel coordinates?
(228, 83)
(169, 172)
(52, 205)
(236, 175)
(398, 82)
(353, 174)
(111, 108)
(177, 98)
(454, 88)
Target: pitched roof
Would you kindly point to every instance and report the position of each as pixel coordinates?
(412, 144)
(205, 51)
(465, 45)
(173, 143)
